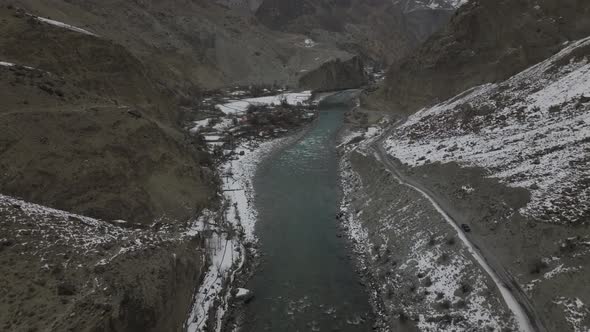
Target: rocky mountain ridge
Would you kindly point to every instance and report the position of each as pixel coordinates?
(381, 31)
(485, 41)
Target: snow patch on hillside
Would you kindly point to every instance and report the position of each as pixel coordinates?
(10, 64)
(532, 131)
(446, 283)
(83, 235)
(575, 312)
(241, 106)
(64, 25)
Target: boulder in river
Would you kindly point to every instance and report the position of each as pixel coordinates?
(244, 294)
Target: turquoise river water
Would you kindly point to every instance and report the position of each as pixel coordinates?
(306, 281)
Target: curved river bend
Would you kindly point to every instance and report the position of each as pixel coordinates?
(306, 282)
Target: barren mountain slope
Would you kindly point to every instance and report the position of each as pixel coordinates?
(383, 31)
(486, 41)
(249, 6)
(85, 128)
(193, 44)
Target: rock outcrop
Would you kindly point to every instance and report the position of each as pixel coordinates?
(335, 75)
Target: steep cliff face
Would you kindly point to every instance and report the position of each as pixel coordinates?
(382, 31)
(335, 75)
(425, 17)
(485, 41)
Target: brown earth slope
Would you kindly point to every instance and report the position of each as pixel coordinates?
(192, 44)
(66, 272)
(85, 129)
(382, 31)
(486, 41)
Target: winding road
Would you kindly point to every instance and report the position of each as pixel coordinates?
(511, 292)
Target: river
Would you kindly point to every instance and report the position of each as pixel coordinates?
(306, 281)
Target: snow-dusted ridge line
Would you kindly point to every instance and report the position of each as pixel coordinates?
(10, 64)
(32, 209)
(422, 257)
(531, 131)
(64, 25)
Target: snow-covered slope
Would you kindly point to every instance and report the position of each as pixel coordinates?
(67, 272)
(531, 131)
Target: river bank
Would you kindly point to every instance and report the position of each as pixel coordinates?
(305, 279)
(244, 306)
(242, 132)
